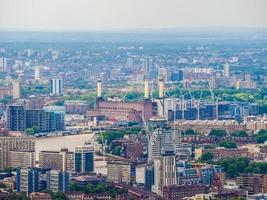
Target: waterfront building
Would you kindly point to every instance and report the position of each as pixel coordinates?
(62, 160)
(8, 144)
(84, 159)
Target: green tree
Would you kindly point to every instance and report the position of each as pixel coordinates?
(228, 144)
(206, 157)
(117, 150)
(218, 132)
(232, 171)
(29, 131)
(190, 132)
(60, 196)
(240, 134)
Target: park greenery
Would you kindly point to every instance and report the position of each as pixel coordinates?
(56, 195)
(189, 132)
(32, 131)
(218, 132)
(261, 136)
(111, 135)
(233, 167)
(99, 188)
(206, 157)
(241, 133)
(228, 144)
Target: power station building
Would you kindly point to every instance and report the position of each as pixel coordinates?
(123, 111)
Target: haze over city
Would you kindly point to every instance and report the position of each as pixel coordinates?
(91, 15)
(133, 99)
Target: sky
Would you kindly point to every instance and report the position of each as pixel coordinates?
(105, 15)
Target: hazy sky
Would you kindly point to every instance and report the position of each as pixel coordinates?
(88, 15)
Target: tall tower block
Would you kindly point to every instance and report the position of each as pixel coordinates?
(99, 88)
(161, 88)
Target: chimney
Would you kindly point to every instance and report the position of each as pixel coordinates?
(161, 88)
(146, 89)
(99, 88)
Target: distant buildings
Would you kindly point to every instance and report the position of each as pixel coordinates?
(22, 158)
(178, 192)
(16, 118)
(223, 153)
(253, 183)
(226, 70)
(56, 86)
(37, 72)
(122, 111)
(19, 119)
(76, 107)
(3, 64)
(62, 160)
(16, 89)
(84, 159)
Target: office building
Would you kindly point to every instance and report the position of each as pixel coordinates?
(149, 176)
(37, 72)
(84, 159)
(120, 171)
(226, 70)
(16, 89)
(19, 118)
(76, 107)
(16, 118)
(57, 180)
(62, 160)
(28, 180)
(39, 119)
(16, 144)
(56, 86)
(3, 64)
(22, 159)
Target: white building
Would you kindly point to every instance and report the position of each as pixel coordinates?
(56, 86)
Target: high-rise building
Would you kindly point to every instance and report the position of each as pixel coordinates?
(39, 119)
(84, 159)
(22, 159)
(19, 118)
(56, 86)
(37, 72)
(28, 180)
(3, 64)
(16, 89)
(16, 144)
(149, 176)
(226, 70)
(16, 118)
(57, 160)
(164, 170)
(168, 166)
(161, 135)
(58, 180)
